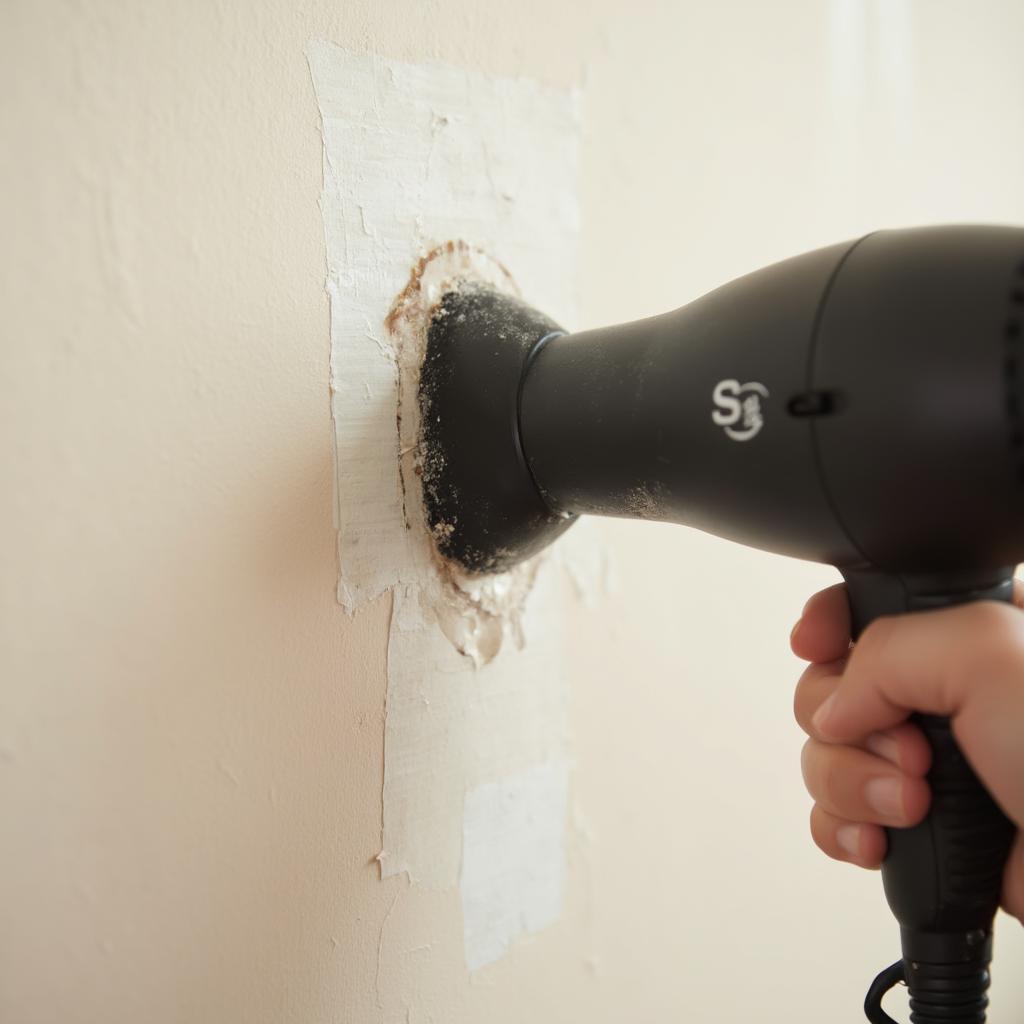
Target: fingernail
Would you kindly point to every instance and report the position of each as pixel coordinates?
(884, 746)
(848, 837)
(795, 629)
(822, 714)
(885, 795)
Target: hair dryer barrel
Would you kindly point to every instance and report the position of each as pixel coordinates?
(860, 405)
(700, 416)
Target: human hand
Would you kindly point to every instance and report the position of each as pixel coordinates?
(864, 764)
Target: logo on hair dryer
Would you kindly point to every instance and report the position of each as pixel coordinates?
(739, 408)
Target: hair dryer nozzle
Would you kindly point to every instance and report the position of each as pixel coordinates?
(482, 505)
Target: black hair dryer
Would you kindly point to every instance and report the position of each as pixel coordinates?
(861, 405)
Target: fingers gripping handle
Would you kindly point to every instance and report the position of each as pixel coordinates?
(942, 877)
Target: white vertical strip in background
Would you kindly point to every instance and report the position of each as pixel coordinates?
(847, 47)
(871, 124)
(894, 49)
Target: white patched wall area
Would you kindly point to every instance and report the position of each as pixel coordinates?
(428, 179)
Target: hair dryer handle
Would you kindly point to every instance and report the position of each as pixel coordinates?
(943, 877)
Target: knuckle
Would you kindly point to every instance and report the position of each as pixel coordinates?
(817, 827)
(871, 648)
(878, 634)
(821, 777)
(822, 832)
(798, 694)
(989, 618)
(802, 699)
(815, 684)
(1000, 631)
(830, 783)
(805, 761)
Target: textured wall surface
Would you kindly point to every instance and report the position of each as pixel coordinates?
(191, 728)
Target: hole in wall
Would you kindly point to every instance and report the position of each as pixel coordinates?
(476, 612)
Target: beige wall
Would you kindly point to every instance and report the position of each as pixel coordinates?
(190, 727)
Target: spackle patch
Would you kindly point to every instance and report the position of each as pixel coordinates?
(415, 155)
(528, 811)
(475, 611)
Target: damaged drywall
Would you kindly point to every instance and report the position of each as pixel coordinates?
(431, 175)
(474, 611)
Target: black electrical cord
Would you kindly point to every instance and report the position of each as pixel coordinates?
(888, 979)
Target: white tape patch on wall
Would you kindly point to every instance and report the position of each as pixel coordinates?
(476, 760)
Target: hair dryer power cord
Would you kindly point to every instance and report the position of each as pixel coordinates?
(888, 979)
